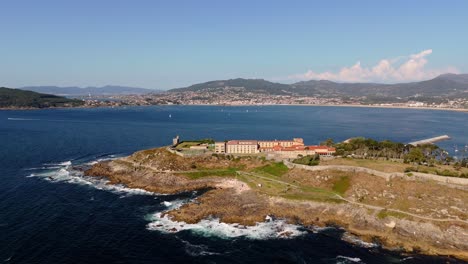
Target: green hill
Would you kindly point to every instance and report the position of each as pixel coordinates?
(250, 85)
(449, 86)
(14, 98)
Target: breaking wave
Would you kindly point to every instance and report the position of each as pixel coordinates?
(271, 228)
(64, 172)
(357, 241)
(22, 119)
(343, 259)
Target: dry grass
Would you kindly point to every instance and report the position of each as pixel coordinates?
(389, 166)
(380, 165)
(292, 193)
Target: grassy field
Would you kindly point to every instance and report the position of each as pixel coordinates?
(229, 172)
(380, 165)
(188, 144)
(270, 180)
(384, 214)
(276, 169)
(341, 185)
(390, 166)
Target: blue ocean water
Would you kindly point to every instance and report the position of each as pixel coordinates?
(48, 215)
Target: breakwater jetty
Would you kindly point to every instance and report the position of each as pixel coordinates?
(429, 140)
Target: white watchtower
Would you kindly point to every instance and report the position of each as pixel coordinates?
(175, 141)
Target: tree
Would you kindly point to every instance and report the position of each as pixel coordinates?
(415, 155)
(328, 142)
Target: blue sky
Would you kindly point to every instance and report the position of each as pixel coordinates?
(168, 44)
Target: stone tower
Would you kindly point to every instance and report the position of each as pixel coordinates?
(175, 141)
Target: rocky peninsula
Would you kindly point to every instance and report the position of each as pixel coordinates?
(420, 216)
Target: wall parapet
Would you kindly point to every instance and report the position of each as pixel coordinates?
(385, 175)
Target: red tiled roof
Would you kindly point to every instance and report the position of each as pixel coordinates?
(281, 148)
(276, 140)
(242, 142)
(321, 148)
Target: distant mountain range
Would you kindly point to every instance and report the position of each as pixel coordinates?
(78, 91)
(446, 86)
(15, 98)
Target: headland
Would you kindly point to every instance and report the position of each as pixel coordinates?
(379, 200)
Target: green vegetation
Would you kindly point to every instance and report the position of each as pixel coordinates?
(27, 99)
(229, 172)
(313, 194)
(250, 85)
(434, 159)
(370, 148)
(328, 142)
(341, 185)
(188, 144)
(415, 155)
(458, 172)
(308, 160)
(276, 169)
(463, 163)
(436, 90)
(285, 187)
(385, 213)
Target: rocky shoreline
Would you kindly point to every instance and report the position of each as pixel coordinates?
(233, 200)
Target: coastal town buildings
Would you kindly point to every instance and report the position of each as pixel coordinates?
(242, 146)
(277, 149)
(283, 148)
(265, 144)
(220, 147)
(323, 150)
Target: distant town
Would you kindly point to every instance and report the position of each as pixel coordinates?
(231, 98)
(447, 91)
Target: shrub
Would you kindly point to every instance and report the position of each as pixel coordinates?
(409, 169)
(308, 160)
(341, 185)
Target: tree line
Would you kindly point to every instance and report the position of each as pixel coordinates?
(368, 148)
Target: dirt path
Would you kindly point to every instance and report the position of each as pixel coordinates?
(402, 212)
(256, 175)
(363, 204)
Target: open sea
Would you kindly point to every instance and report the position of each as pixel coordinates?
(50, 213)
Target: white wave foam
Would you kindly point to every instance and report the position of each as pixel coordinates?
(213, 227)
(43, 168)
(356, 241)
(22, 119)
(317, 229)
(110, 157)
(197, 250)
(65, 163)
(176, 204)
(64, 173)
(348, 259)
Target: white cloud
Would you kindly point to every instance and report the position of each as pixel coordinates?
(400, 69)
